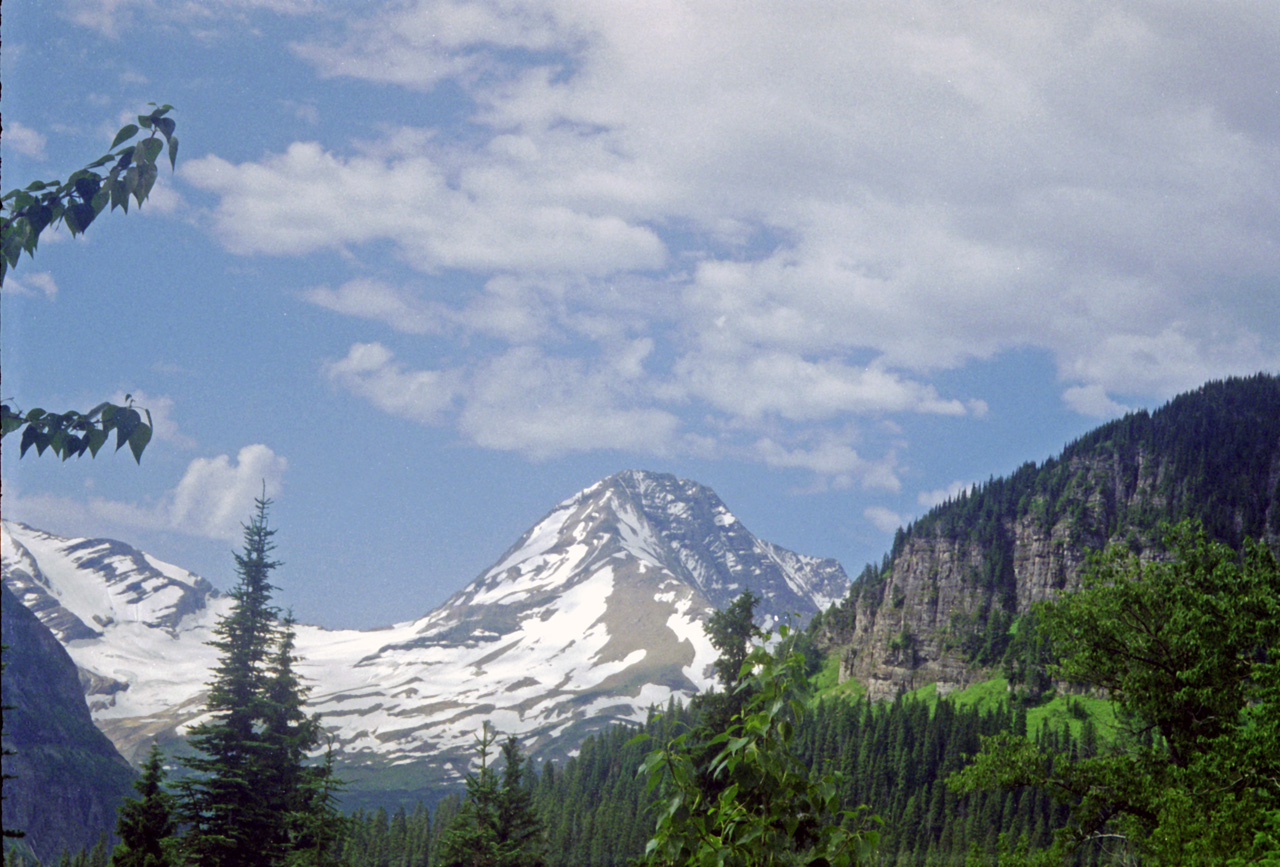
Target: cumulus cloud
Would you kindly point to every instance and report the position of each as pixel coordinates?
(937, 497)
(521, 401)
(832, 205)
(369, 370)
(380, 301)
(36, 284)
(211, 500)
(308, 199)
(885, 520)
(1092, 400)
(24, 139)
(215, 494)
(832, 459)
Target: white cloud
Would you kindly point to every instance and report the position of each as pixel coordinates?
(885, 520)
(937, 497)
(23, 139)
(34, 284)
(810, 210)
(216, 494)
(521, 401)
(309, 199)
(373, 299)
(370, 371)
(545, 406)
(945, 186)
(757, 384)
(1092, 400)
(212, 499)
(113, 18)
(830, 459)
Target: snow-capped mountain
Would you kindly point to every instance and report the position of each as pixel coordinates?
(592, 617)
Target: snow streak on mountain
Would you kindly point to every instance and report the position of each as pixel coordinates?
(592, 617)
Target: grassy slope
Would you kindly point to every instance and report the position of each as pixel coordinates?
(986, 695)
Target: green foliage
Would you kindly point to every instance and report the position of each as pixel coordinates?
(78, 200)
(24, 215)
(71, 434)
(496, 825)
(251, 800)
(146, 825)
(1189, 651)
(768, 811)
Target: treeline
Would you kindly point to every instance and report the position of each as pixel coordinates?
(1208, 455)
(596, 809)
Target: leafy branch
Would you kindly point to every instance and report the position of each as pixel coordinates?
(71, 434)
(76, 202)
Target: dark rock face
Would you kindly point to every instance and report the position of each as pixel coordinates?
(67, 779)
(957, 579)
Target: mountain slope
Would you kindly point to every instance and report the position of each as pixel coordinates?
(940, 606)
(67, 779)
(592, 617)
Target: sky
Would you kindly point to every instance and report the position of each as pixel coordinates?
(425, 269)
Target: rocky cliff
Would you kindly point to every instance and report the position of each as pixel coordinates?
(941, 606)
(66, 780)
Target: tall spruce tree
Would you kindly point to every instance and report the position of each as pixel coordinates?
(146, 825)
(249, 795)
(497, 825)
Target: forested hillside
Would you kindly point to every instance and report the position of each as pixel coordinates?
(943, 604)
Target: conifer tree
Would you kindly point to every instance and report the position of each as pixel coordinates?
(224, 802)
(251, 800)
(146, 825)
(497, 825)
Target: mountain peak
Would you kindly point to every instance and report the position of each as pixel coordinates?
(593, 617)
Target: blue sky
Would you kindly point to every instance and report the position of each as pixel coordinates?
(427, 268)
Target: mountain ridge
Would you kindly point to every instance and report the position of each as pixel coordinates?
(592, 617)
(942, 604)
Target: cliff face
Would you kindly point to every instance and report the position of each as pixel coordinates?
(67, 780)
(941, 606)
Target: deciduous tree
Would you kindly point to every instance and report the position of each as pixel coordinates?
(768, 809)
(127, 170)
(1188, 648)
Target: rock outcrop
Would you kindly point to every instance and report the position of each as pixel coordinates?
(941, 606)
(64, 779)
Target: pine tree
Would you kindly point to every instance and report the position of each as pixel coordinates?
(497, 825)
(251, 800)
(519, 826)
(146, 826)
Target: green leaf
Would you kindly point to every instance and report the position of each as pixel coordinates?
(119, 195)
(126, 133)
(138, 440)
(145, 120)
(150, 150)
(29, 438)
(173, 152)
(126, 421)
(71, 221)
(84, 213)
(166, 126)
(9, 422)
(100, 200)
(95, 439)
(146, 179)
